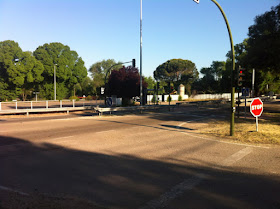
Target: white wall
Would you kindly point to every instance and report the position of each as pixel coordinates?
(198, 96)
(214, 96)
(173, 97)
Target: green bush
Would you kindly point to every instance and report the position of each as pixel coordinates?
(180, 98)
(75, 98)
(154, 99)
(89, 97)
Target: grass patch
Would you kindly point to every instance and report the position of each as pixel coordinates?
(245, 131)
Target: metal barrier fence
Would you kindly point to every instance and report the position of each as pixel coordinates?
(21, 105)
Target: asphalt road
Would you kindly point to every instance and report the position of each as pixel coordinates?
(149, 161)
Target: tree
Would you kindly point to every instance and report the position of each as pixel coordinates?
(214, 78)
(263, 51)
(20, 72)
(207, 84)
(98, 72)
(264, 41)
(10, 73)
(70, 69)
(177, 71)
(150, 82)
(33, 71)
(125, 82)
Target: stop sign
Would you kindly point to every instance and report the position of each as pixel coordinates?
(256, 107)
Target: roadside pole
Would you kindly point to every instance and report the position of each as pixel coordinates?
(253, 83)
(245, 102)
(238, 103)
(233, 67)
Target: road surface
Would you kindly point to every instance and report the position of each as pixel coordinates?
(148, 161)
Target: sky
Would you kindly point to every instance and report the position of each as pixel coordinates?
(110, 29)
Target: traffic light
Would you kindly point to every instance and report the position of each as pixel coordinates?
(133, 63)
(169, 87)
(241, 74)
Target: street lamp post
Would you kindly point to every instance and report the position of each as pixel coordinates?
(141, 85)
(233, 68)
(54, 81)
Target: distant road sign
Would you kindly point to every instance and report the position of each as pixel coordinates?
(102, 90)
(109, 102)
(256, 107)
(245, 92)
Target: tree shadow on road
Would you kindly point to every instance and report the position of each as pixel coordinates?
(63, 176)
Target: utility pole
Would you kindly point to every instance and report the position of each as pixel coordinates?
(253, 83)
(54, 81)
(141, 85)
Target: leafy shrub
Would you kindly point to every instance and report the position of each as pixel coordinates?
(154, 99)
(89, 97)
(75, 98)
(180, 98)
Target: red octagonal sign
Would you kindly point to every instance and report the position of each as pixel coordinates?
(256, 107)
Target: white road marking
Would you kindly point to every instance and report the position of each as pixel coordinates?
(189, 184)
(58, 138)
(103, 132)
(13, 190)
(164, 199)
(62, 119)
(236, 156)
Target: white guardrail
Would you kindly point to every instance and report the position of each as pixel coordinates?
(46, 106)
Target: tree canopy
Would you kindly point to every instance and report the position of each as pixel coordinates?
(20, 71)
(261, 51)
(125, 82)
(215, 79)
(176, 70)
(70, 69)
(98, 72)
(264, 41)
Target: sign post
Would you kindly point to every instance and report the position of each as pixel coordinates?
(256, 109)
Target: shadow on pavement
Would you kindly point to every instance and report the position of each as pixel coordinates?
(59, 177)
(177, 127)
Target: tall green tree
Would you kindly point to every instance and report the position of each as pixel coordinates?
(10, 73)
(215, 79)
(98, 72)
(20, 72)
(264, 41)
(33, 71)
(150, 82)
(70, 69)
(177, 71)
(264, 50)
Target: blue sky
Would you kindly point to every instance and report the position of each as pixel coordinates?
(103, 29)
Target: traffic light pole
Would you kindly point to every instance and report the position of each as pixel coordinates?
(141, 82)
(232, 72)
(232, 110)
